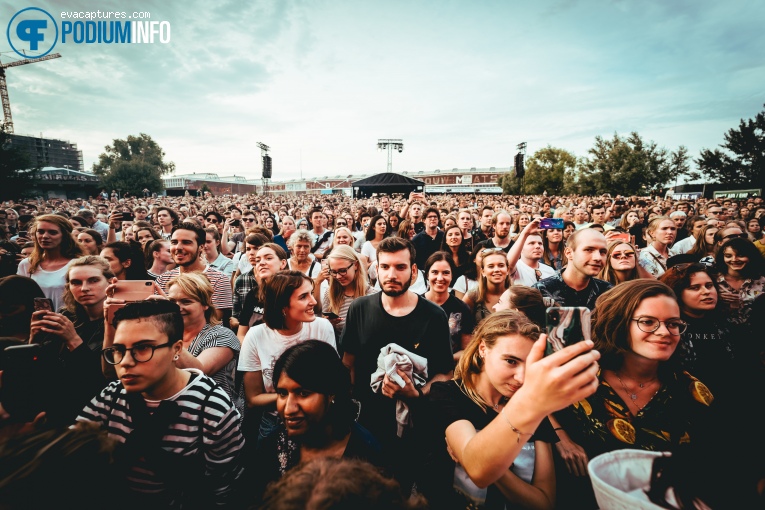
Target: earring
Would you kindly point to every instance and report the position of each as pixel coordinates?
(332, 400)
(176, 357)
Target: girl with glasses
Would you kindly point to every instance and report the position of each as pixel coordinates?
(645, 400)
(342, 281)
(289, 319)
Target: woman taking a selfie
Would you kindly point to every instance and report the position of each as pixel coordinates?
(207, 345)
(55, 248)
(289, 318)
(498, 451)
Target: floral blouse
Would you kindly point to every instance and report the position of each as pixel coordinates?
(602, 423)
(738, 303)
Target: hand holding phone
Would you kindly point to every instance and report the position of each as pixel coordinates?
(551, 223)
(566, 325)
(43, 304)
(331, 316)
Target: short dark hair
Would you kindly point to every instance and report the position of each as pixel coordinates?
(256, 240)
(397, 244)
(193, 227)
(165, 314)
(217, 215)
(276, 295)
(440, 256)
(173, 214)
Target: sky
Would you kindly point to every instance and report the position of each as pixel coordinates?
(462, 83)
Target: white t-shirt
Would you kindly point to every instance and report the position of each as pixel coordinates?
(682, 246)
(526, 275)
(262, 346)
(464, 284)
(51, 282)
(312, 272)
(369, 251)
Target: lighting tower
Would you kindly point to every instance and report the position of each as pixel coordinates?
(266, 165)
(391, 145)
(520, 170)
(8, 119)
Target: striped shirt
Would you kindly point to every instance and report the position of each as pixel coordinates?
(207, 429)
(222, 297)
(218, 336)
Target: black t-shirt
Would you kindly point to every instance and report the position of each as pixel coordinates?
(443, 481)
(489, 243)
(369, 328)
(461, 320)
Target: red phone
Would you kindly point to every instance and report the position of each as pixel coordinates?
(623, 237)
(130, 291)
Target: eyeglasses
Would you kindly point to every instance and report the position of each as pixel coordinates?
(140, 353)
(341, 224)
(650, 324)
(734, 236)
(431, 217)
(212, 220)
(340, 272)
(623, 255)
(492, 250)
(248, 220)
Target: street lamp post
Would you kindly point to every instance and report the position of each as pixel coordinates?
(391, 145)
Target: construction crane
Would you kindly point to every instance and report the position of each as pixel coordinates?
(8, 123)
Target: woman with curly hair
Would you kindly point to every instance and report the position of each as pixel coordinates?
(55, 247)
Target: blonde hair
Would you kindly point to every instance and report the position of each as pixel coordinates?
(470, 365)
(70, 304)
(334, 238)
(483, 285)
(199, 288)
(359, 284)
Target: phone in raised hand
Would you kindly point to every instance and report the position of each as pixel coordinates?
(566, 325)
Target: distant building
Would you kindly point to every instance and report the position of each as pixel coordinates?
(456, 180)
(47, 152)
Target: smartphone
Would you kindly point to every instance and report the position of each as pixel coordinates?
(127, 216)
(330, 315)
(548, 223)
(23, 233)
(566, 325)
(130, 291)
(43, 303)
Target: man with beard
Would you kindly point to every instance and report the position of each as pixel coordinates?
(500, 223)
(395, 315)
(523, 261)
(186, 245)
(576, 285)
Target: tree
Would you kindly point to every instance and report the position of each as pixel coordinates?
(510, 184)
(132, 165)
(546, 170)
(628, 166)
(743, 162)
(16, 172)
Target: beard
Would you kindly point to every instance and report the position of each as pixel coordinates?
(396, 293)
(502, 235)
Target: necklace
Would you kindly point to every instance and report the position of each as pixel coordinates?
(502, 401)
(634, 396)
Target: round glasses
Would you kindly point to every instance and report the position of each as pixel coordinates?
(650, 324)
(140, 353)
(340, 272)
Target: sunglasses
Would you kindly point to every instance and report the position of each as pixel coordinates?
(623, 255)
(212, 220)
(734, 236)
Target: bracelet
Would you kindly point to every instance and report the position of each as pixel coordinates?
(515, 429)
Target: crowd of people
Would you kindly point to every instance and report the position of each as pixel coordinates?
(236, 351)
